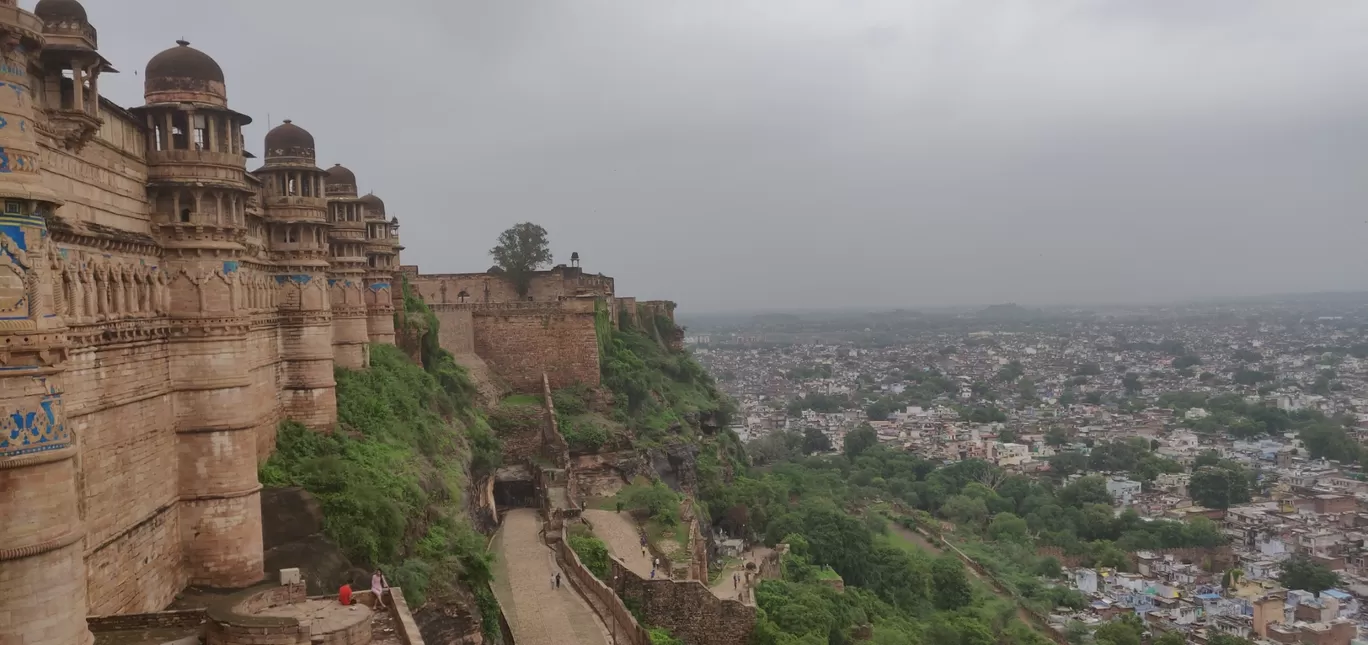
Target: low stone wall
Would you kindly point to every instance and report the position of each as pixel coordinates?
(403, 618)
(687, 608)
(697, 549)
(188, 618)
(227, 626)
(554, 446)
(604, 600)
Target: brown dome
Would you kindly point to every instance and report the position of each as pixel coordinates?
(341, 182)
(184, 74)
(374, 205)
(289, 140)
(339, 174)
(184, 61)
(59, 10)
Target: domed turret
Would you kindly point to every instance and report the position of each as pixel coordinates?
(66, 26)
(184, 74)
(341, 182)
(375, 207)
(288, 143)
(59, 10)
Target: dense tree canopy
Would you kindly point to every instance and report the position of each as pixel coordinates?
(520, 251)
(1302, 573)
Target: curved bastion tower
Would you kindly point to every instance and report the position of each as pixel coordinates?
(42, 567)
(296, 210)
(219, 283)
(346, 280)
(381, 263)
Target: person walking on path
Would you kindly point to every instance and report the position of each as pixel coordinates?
(736, 581)
(553, 581)
(558, 580)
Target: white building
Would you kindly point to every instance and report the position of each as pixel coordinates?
(1123, 490)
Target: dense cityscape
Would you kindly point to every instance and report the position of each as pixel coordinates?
(1244, 422)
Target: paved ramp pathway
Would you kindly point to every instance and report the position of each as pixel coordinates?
(623, 538)
(538, 614)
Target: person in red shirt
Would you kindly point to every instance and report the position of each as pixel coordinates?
(344, 594)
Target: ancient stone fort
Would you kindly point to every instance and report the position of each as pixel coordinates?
(166, 300)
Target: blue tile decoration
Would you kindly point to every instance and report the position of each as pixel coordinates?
(379, 286)
(25, 431)
(297, 278)
(230, 266)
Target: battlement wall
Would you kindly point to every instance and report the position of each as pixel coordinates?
(487, 288)
(521, 342)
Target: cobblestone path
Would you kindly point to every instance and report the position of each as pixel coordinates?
(538, 614)
(623, 539)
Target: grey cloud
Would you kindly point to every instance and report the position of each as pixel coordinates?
(747, 154)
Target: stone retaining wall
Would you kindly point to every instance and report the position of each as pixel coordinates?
(605, 602)
(403, 618)
(687, 608)
(158, 620)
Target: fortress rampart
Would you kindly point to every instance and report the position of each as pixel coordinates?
(166, 300)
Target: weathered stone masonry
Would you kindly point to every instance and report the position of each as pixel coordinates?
(161, 309)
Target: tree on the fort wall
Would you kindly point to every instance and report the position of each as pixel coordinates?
(521, 251)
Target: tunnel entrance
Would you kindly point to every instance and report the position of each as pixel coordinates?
(513, 488)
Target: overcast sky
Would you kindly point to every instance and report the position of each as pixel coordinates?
(736, 154)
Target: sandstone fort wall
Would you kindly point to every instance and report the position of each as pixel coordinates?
(164, 307)
(520, 341)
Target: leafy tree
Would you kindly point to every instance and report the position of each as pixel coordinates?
(1131, 381)
(1184, 362)
(775, 447)
(1007, 526)
(1093, 398)
(1244, 376)
(1056, 436)
(815, 441)
(859, 440)
(593, 552)
(1011, 372)
(1088, 369)
(951, 583)
(1085, 490)
(1067, 398)
(1219, 486)
(1171, 638)
(655, 498)
(1119, 632)
(1026, 389)
(1300, 572)
(1048, 567)
(520, 251)
(1064, 464)
(1248, 356)
(881, 409)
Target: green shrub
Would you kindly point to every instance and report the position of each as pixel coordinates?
(656, 499)
(583, 434)
(572, 400)
(661, 636)
(593, 553)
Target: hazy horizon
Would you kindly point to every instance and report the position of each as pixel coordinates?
(737, 155)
